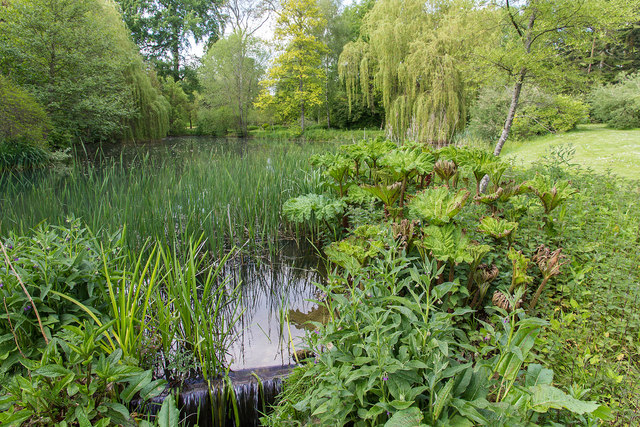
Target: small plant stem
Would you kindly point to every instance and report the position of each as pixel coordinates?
(26, 292)
(402, 190)
(13, 332)
(452, 270)
(535, 298)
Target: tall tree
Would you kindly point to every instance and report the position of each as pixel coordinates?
(412, 52)
(535, 37)
(230, 72)
(165, 29)
(76, 58)
(295, 82)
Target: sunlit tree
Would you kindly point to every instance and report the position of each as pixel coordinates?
(295, 83)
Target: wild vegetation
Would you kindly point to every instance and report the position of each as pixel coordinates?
(472, 272)
(464, 288)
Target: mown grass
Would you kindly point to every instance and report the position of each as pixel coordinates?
(596, 147)
(229, 195)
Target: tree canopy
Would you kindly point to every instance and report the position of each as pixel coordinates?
(411, 53)
(230, 72)
(75, 57)
(295, 83)
(165, 29)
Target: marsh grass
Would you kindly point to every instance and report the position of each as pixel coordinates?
(232, 197)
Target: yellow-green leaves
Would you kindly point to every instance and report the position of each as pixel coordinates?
(294, 85)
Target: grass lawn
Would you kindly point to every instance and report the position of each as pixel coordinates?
(597, 147)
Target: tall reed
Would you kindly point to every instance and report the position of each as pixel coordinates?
(232, 197)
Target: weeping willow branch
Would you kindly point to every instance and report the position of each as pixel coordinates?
(410, 54)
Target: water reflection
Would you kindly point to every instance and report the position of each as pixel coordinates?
(275, 296)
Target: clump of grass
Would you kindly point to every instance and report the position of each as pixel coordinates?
(233, 198)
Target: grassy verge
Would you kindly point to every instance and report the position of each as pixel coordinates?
(317, 134)
(596, 147)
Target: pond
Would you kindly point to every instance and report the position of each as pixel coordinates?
(227, 191)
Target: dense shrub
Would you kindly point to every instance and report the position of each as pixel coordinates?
(617, 105)
(538, 113)
(214, 122)
(550, 114)
(21, 116)
(19, 153)
(51, 259)
(180, 105)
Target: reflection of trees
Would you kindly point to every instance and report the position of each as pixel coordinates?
(301, 319)
(272, 286)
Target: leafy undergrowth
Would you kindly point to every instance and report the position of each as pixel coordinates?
(593, 339)
(413, 339)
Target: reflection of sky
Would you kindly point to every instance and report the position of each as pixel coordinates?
(269, 291)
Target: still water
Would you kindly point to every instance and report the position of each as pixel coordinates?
(277, 289)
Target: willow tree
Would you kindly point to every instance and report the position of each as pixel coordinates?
(295, 83)
(411, 52)
(76, 58)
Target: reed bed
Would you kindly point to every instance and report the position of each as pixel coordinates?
(231, 196)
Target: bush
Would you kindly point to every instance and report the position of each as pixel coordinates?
(19, 153)
(21, 116)
(49, 261)
(214, 122)
(617, 105)
(555, 114)
(538, 113)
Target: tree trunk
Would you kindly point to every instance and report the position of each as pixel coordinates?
(593, 47)
(175, 51)
(515, 98)
(326, 92)
(301, 107)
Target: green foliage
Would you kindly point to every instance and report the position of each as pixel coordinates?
(438, 205)
(355, 251)
(617, 104)
(411, 54)
(18, 154)
(240, 204)
(312, 208)
(560, 113)
(151, 120)
(539, 113)
(395, 355)
(297, 78)
(21, 117)
(180, 105)
(76, 59)
(165, 29)
(74, 382)
(498, 228)
(230, 72)
(51, 261)
(446, 243)
(551, 194)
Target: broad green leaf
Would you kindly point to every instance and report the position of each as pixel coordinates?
(169, 414)
(545, 397)
(52, 371)
(537, 375)
(411, 417)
